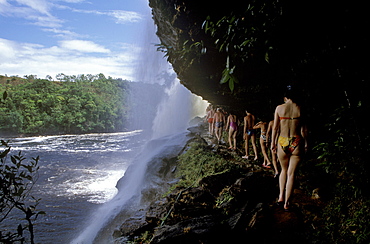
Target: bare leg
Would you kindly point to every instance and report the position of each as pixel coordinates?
(230, 135)
(274, 162)
(293, 163)
(218, 133)
(253, 138)
(234, 139)
(210, 127)
(284, 163)
(266, 160)
(246, 145)
(286, 181)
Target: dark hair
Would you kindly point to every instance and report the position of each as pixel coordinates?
(290, 93)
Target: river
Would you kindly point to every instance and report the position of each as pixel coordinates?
(78, 173)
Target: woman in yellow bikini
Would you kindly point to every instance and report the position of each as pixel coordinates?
(291, 143)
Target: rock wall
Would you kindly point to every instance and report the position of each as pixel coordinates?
(181, 21)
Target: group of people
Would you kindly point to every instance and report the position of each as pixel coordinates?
(219, 121)
(286, 135)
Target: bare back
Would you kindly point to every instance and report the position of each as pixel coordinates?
(249, 122)
(288, 118)
(210, 114)
(232, 118)
(218, 117)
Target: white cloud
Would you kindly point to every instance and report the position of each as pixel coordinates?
(123, 17)
(73, 54)
(120, 16)
(73, 1)
(40, 6)
(64, 34)
(27, 58)
(83, 46)
(37, 11)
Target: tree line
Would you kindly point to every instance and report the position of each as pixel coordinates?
(73, 104)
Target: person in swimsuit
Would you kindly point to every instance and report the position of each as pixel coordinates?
(249, 134)
(218, 123)
(263, 141)
(289, 144)
(209, 118)
(232, 126)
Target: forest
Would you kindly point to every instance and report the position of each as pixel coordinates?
(72, 104)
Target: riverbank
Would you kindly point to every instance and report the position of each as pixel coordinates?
(222, 198)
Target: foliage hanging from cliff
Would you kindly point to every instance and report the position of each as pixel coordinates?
(242, 35)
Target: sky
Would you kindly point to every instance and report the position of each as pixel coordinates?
(49, 37)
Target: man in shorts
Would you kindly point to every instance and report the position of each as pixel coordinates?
(249, 134)
(218, 123)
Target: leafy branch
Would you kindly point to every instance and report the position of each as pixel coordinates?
(17, 179)
(242, 35)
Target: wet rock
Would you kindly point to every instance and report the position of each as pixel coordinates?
(192, 203)
(215, 183)
(197, 230)
(157, 211)
(134, 226)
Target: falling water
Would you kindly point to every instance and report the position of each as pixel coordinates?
(168, 133)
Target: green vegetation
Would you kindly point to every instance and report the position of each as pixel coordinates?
(340, 168)
(199, 162)
(243, 35)
(18, 209)
(73, 104)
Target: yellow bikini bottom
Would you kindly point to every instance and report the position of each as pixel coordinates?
(289, 144)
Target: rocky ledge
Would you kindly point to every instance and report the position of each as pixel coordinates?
(239, 204)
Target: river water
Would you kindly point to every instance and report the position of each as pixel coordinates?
(78, 173)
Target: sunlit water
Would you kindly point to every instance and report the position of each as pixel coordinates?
(78, 173)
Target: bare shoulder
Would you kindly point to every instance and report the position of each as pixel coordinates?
(280, 107)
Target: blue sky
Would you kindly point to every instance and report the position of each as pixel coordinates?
(48, 37)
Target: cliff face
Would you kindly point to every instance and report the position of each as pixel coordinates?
(315, 46)
(191, 51)
(177, 23)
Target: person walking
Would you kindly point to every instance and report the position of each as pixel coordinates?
(290, 144)
(232, 127)
(263, 141)
(209, 118)
(249, 134)
(218, 123)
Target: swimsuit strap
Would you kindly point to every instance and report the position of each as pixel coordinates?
(281, 118)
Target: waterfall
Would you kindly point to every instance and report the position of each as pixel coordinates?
(167, 133)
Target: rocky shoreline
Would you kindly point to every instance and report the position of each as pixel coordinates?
(236, 205)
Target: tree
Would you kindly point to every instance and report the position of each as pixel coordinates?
(16, 181)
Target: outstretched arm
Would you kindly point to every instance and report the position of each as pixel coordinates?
(269, 131)
(258, 125)
(245, 128)
(275, 129)
(228, 123)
